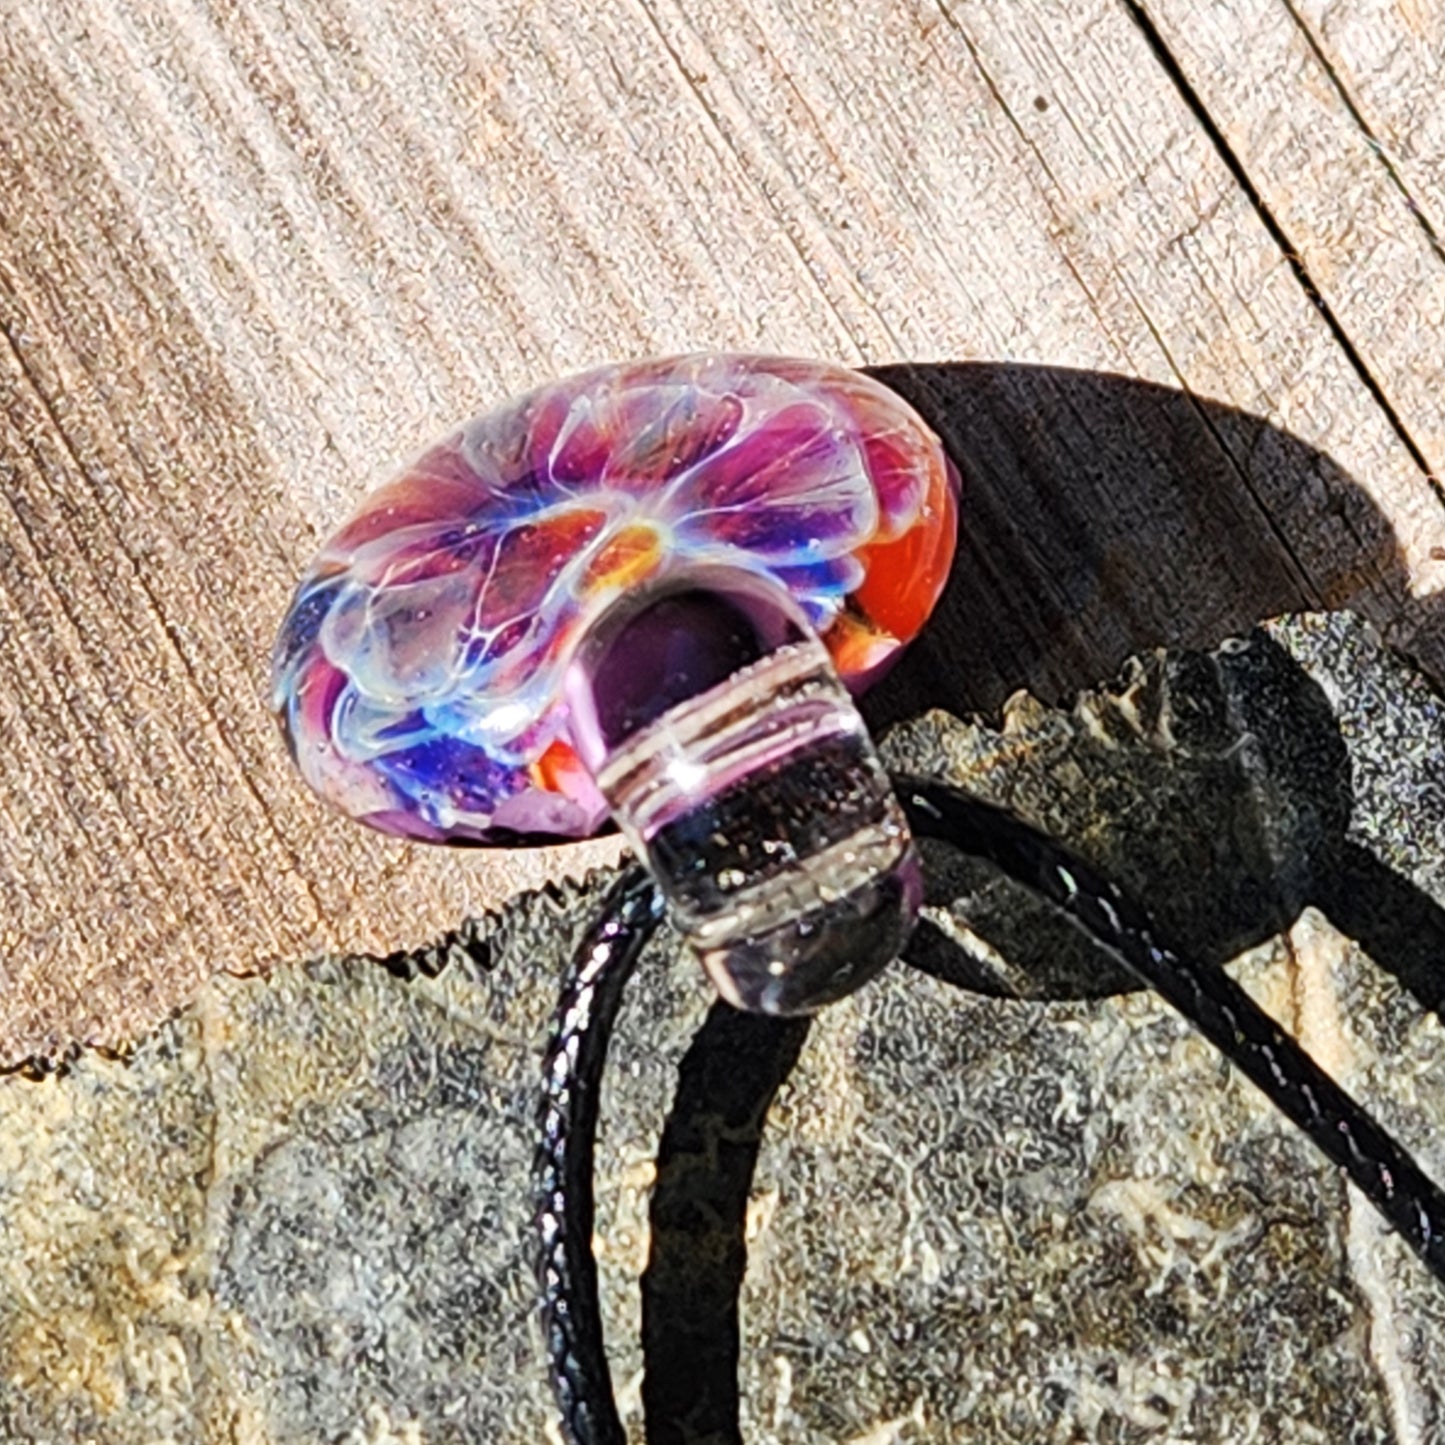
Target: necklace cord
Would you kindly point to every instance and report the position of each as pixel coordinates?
(1211, 1001)
(591, 998)
(571, 1084)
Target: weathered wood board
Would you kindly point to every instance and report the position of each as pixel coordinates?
(1388, 59)
(254, 254)
(1364, 225)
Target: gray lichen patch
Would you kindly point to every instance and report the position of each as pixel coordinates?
(307, 1195)
(104, 1209)
(996, 1199)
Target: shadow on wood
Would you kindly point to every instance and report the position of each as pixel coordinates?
(1103, 516)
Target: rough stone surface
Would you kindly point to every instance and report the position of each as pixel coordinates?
(998, 1198)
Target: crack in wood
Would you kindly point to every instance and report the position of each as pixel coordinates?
(1288, 250)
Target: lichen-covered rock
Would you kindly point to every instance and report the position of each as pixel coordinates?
(997, 1199)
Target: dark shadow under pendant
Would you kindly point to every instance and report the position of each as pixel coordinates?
(691, 1393)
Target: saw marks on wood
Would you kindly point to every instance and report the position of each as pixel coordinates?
(1285, 100)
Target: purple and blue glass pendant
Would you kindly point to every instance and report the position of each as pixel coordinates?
(420, 672)
(645, 594)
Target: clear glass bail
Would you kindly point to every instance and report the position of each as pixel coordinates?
(733, 759)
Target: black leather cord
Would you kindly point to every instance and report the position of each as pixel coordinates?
(571, 1081)
(1207, 997)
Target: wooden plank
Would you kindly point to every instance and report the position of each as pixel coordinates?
(254, 254)
(1288, 115)
(1387, 58)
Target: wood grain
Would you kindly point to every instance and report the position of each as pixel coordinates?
(252, 255)
(1357, 221)
(1387, 59)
